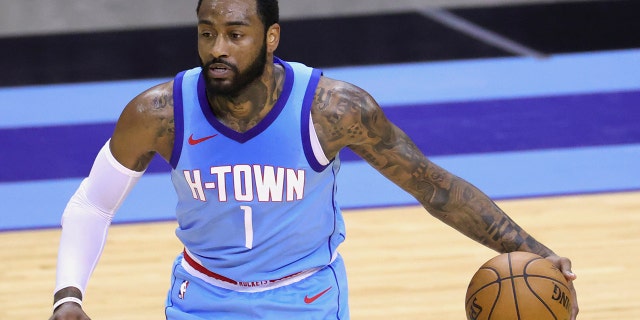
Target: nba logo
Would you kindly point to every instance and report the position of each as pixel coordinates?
(183, 289)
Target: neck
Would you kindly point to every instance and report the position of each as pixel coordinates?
(243, 111)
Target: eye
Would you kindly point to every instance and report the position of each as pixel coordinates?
(206, 34)
(236, 35)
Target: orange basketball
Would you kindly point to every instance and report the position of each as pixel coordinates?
(518, 286)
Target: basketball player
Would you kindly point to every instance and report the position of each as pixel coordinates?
(253, 142)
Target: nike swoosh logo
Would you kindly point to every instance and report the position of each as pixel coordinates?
(193, 141)
(309, 300)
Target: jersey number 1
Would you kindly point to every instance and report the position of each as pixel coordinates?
(248, 226)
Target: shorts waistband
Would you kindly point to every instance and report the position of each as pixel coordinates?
(193, 267)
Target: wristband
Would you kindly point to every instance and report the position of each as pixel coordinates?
(66, 299)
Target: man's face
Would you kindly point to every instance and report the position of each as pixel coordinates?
(231, 45)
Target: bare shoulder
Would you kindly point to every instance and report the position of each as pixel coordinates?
(145, 127)
(345, 115)
(331, 92)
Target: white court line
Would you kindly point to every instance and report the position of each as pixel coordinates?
(451, 20)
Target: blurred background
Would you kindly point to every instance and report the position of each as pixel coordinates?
(544, 94)
(73, 40)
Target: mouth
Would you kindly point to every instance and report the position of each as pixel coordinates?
(219, 70)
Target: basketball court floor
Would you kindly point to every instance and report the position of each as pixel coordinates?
(401, 263)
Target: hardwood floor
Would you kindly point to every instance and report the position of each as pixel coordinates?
(401, 262)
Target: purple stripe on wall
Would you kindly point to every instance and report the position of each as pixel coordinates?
(438, 129)
(520, 124)
(41, 153)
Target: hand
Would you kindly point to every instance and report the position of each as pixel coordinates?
(69, 311)
(564, 264)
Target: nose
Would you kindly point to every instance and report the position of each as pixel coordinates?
(220, 47)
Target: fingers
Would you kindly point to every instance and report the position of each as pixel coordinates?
(565, 267)
(564, 264)
(574, 298)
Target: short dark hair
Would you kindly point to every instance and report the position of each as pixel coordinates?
(268, 10)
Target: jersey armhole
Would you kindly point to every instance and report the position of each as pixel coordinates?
(178, 116)
(311, 145)
(316, 147)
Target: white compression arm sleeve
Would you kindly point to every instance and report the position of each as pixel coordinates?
(87, 217)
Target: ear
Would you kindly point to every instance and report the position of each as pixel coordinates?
(273, 37)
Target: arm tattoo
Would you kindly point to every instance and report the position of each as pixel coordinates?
(163, 110)
(350, 117)
(163, 101)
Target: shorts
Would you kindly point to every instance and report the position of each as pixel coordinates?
(322, 295)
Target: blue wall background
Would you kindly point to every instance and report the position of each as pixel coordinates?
(515, 127)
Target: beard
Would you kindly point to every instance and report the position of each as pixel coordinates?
(238, 82)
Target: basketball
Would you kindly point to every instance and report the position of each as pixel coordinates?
(518, 285)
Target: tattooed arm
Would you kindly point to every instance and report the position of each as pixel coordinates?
(348, 116)
(145, 127)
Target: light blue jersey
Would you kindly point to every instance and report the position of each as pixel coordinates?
(254, 206)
